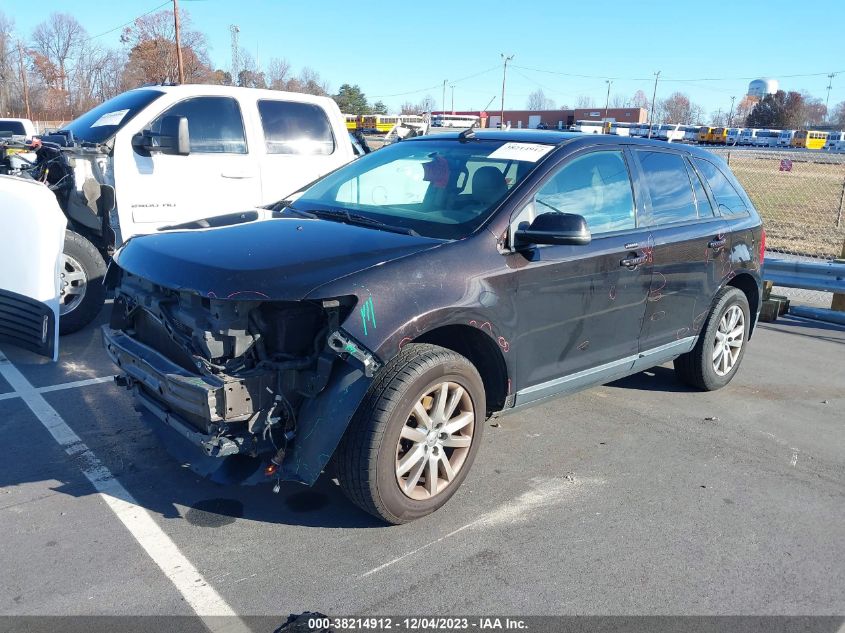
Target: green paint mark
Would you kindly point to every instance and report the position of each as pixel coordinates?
(351, 348)
(368, 315)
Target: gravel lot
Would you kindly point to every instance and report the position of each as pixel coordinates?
(639, 497)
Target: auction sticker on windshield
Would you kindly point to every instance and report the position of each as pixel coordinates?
(111, 118)
(528, 152)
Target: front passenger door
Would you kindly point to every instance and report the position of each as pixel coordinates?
(581, 307)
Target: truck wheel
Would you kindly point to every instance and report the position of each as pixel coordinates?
(715, 359)
(83, 292)
(413, 439)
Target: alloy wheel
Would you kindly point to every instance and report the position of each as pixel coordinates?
(727, 344)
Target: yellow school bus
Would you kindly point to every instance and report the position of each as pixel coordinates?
(811, 139)
(719, 136)
(352, 121)
(705, 134)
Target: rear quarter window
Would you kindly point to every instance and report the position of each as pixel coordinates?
(729, 200)
(295, 128)
(668, 186)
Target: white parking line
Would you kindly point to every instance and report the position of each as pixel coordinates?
(62, 385)
(202, 598)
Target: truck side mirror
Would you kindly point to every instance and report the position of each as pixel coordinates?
(173, 137)
(554, 228)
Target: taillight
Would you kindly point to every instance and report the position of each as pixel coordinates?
(762, 245)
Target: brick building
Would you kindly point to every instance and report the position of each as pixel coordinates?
(555, 118)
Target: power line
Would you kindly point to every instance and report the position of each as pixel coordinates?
(437, 85)
(132, 21)
(672, 79)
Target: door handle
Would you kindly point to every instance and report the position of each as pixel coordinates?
(719, 242)
(633, 262)
(237, 174)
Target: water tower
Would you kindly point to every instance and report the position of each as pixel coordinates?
(761, 87)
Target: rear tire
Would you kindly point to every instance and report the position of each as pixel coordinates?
(414, 437)
(717, 354)
(83, 292)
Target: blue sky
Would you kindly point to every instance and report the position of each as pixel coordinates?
(394, 48)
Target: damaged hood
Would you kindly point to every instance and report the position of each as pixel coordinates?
(280, 259)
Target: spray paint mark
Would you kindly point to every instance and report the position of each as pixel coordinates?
(681, 333)
(368, 315)
(658, 315)
(405, 340)
(612, 293)
(504, 344)
(658, 283)
(247, 292)
(583, 346)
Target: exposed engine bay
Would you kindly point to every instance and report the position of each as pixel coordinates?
(231, 376)
(79, 174)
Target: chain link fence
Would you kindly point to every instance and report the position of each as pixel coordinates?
(800, 195)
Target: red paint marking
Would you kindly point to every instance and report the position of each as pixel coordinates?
(509, 386)
(211, 294)
(583, 346)
(612, 294)
(405, 340)
(504, 344)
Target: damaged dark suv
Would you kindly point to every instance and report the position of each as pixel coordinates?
(381, 315)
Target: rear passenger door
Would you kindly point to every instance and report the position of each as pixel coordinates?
(299, 146)
(688, 248)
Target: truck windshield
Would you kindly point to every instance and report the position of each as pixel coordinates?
(443, 189)
(101, 123)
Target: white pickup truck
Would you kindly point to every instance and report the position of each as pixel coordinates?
(158, 156)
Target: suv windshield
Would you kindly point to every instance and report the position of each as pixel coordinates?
(443, 189)
(101, 123)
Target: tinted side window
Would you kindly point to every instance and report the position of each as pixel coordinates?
(214, 123)
(668, 185)
(15, 127)
(705, 209)
(727, 197)
(295, 128)
(596, 186)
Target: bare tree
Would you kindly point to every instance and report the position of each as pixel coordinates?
(619, 100)
(640, 100)
(537, 101)
(60, 38)
(277, 73)
(584, 101)
(838, 114)
(676, 108)
(310, 82)
(8, 74)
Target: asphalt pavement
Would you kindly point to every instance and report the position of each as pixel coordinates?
(638, 497)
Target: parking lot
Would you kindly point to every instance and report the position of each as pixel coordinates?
(639, 497)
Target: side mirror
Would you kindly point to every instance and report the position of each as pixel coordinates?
(554, 228)
(173, 137)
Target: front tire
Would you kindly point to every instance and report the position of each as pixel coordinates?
(412, 441)
(83, 293)
(717, 354)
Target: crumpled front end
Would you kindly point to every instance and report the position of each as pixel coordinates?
(267, 385)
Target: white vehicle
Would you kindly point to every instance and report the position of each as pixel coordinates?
(17, 127)
(620, 128)
(766, 138)
(590, 127)
(747, 136)
(785, 138)
(668, 132)
(690, 133)
(734, 134)
(160, 156)
(30, 265)
(454, 120)
(834, 141)
(414, 119)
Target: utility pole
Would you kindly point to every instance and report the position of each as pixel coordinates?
(827, 101)
(24, 82)
(504, 77)
(653, 97)
(178, 42)
(443, 102)
(453, 98)
(234, 29)
(731, 112)
(607, 100)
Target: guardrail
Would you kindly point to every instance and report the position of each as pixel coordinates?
(822, 276)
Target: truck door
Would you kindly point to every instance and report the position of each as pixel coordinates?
(30, 263)
(218, 176)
